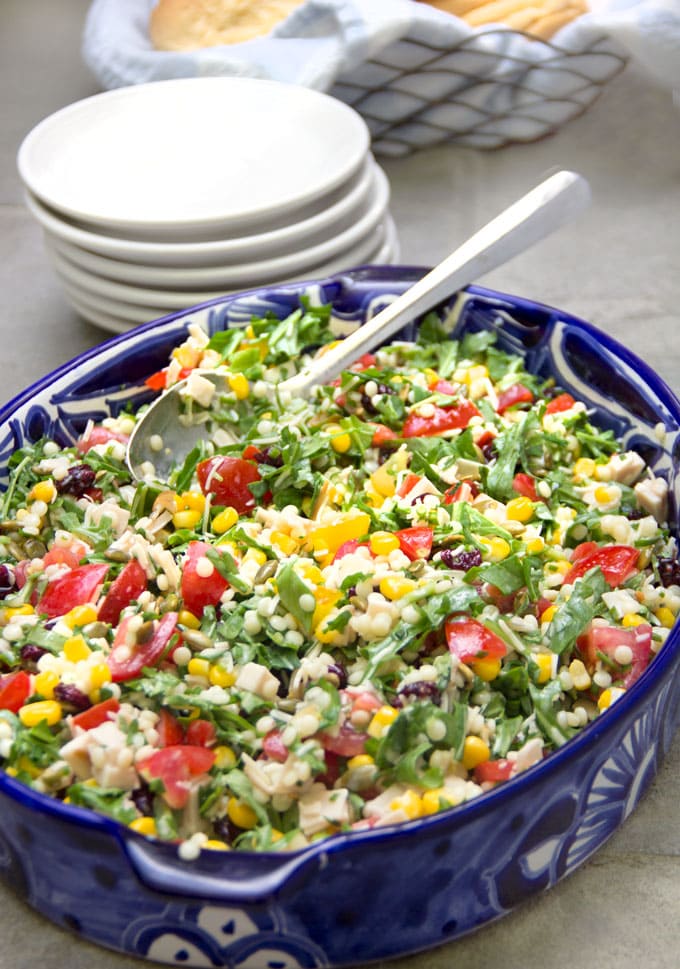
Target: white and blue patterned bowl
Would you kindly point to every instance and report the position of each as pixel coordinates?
(333, 904)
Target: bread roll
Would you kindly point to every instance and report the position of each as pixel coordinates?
(540, 18)
(180, 25)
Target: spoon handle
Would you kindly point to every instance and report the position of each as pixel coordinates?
(538, 213)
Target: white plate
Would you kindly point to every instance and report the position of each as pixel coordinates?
(202, 254)
(118, 317)
(192, 153)
(340, 248)
(197, 277)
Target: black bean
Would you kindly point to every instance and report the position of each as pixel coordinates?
(7, 581)
(421, 690)
(30, 654)
(339, 672)
(669, 571)
(143, 799)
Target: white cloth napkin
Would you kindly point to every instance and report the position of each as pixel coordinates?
(325, 40)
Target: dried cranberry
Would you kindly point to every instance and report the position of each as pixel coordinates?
(7, 581)
(94, 494)
(72, 696)
(266, 455)
(463, 560)
(77, 480)
(669, 571)
(225, 830)
(489, 451)
(421, 690)
(143, 799)
(30, 654)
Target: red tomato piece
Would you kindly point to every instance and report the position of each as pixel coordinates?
(15, 689)
(348, 742)
(348, 547)
(362, 700)
(617, 563)
(127, 587)
(525, 485)
(468, 639)
(199, 591)
(457, 416)
(99, 435)
(580, 552)
(416, 542)
(74, 588)
(202, 733)
(273, 747)
(227, 479)
(71, 554)
(444, 387)
(365, 362)
(606, 639)
(381, 434)
(517, 394)
(465, 491)
(157, 381)
(178, 767)
(560, 403)
(493, 771)
(408, 484)
(95, 715)
(127, 662)
(169, 729)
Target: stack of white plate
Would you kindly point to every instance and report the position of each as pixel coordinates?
(159, 196)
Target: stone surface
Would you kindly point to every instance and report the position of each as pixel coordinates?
(617, 266)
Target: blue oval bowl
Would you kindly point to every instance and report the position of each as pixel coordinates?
(333, 904)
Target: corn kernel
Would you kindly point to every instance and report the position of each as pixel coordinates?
(487, 668)
(545, 665)
(381, 720)
(284, 542)
(255, 555)
(330, 637)
(188, 619)
(224, 520)
(584, 468)
(497, 548)
(520, 509)
(212, 844)
(225, 758)
(382, 543)
(431, 376)
(218, 676)
(187, 357)
(198, 667)
(27, 766)
(43, 491)
(394, 587)
(34, 713)
(431, 801)
(80, 616)
(326, 600)
(632, 619)
(602, 495)
(144, 825)
(548, 614)
(239, 386)
(360, 760)
(188, 518)
(475, 751)
(535, 545)
(45, 684)
(410, 803)
(341, 441)
(99, 675)
(665, 617)
(191, 501)
(11, 611)
(579, 674)
(309, 572)
(76, 649)
(604, 700)
(241, 814)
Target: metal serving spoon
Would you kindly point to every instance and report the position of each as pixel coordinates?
(537, 214)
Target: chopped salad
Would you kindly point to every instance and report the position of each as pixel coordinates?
(342, 612)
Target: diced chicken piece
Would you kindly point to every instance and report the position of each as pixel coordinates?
(529, 754)
(102, 753)
(320, 807)
(624, 468)
(652, 495)
(200, 388)
(119, 517)
(257, 679)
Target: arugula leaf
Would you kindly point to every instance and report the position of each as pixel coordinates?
(227, 568)
(106, 800)
(545, 701)
(417, 731)
(291, 589)
(574, 615)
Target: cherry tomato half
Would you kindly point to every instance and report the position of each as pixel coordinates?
(468, 639)
(198, 590)
(95, 715)
(15, 688)
(127, 587)
(458, 415)
(617, 563)
(127, 662)
(74, 588)
(177, 767)
(227, 479)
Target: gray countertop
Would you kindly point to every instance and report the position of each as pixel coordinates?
(618, 266)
